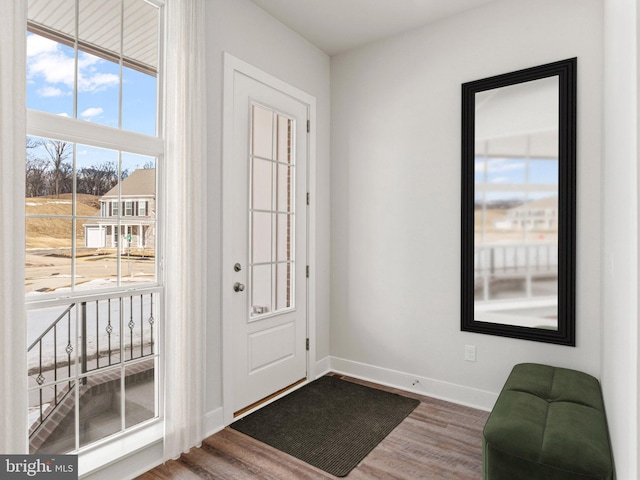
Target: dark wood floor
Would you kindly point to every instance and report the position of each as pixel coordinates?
(439, 440)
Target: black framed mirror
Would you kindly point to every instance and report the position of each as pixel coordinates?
(519, 204)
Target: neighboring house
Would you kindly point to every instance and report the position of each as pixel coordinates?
(536, 215)
(134, 210)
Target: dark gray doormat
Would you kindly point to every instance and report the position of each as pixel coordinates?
(330, 423)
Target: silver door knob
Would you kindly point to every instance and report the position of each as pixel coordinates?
(238, 287)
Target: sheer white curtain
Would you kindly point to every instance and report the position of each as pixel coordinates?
(13, 343)
(185, 245)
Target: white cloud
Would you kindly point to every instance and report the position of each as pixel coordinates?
(499, 180)
(37, 45)
(97, 82)
(48, 60)
(91, 112)
(54, 67)
(90, 79)
(63, 114)
(49, 91)
(500, 165)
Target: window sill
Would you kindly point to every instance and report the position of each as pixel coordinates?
(111, 451)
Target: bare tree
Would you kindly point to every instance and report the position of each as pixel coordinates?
(35, 171)
(57, 153)
(97, 179)
(36, 177)
(31, 144)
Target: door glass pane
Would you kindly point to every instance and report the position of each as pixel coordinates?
(285, 188)
(261, 280)
(271, 212)
(284, 246)
(261, 237)
(262, 133)
(285, 132)
(261, 193)
(284, 289)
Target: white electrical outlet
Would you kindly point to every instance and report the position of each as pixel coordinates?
(470, 353)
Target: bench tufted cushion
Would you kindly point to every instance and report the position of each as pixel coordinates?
(548, 424)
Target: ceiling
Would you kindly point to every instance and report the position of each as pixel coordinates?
(99, 28)
(336, 26)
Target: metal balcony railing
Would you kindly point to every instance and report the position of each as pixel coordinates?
(40, 379)
(111, 331)
(512, 262)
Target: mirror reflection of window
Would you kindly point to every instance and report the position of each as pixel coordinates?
(516, 205)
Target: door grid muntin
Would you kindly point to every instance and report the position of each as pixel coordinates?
(271, 212)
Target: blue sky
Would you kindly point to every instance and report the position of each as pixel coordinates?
(50, 87)
(512, 171)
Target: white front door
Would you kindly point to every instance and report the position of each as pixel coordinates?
(267, 179)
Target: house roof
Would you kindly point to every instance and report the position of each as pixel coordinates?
(141, 183)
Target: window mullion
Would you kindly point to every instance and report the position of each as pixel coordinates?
(43, 124)
(120, 62)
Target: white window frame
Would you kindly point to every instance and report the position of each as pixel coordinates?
(46, 125)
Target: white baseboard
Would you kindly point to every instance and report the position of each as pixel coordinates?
(470, 397)
(213, 422)
(322, 367)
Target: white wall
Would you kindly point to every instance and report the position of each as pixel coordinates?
(242, 29)
(395, 197)
(620, 233)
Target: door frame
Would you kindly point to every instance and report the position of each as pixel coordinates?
(231, 66)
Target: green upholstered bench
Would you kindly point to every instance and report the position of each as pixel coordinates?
(548, 424)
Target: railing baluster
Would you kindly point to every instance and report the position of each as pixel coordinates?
(141, 327)
(40, 380)
(151, 321)
(109, 327)
(83, 313)
(55, 361)
(131, 325)
(97, 336)
(69, 347)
